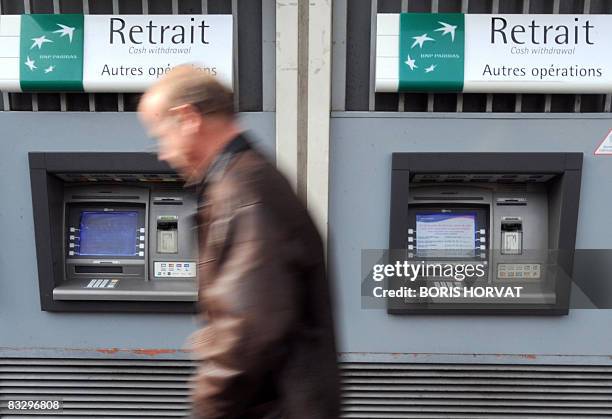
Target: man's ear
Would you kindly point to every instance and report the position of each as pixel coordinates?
(190, 120)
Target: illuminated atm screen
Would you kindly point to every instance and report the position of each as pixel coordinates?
(452, 234)
(105, 233)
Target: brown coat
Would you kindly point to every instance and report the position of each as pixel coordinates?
(268, 348)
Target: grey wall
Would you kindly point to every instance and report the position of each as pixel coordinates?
(361, 147)
(22, 324)
(359, 211)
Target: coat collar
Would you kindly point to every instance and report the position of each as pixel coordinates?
(217, 168)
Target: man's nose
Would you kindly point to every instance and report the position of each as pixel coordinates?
(162, 156)
(163, 153)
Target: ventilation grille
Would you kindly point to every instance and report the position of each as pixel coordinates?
(475, 391)
(120, 177)
(159, 389)
(99, 388)
(482, 178)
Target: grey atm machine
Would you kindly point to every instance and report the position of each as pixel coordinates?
(114, 232)
(514, 214)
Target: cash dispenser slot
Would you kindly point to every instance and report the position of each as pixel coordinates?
(85, 269)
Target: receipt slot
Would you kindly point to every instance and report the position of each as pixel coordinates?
(114, 232)
(510, 216)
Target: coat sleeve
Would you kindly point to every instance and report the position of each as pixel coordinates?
(251, 306)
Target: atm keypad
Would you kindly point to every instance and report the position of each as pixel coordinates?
(102, 283)
(518, 271)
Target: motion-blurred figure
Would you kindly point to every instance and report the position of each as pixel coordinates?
(268, 348)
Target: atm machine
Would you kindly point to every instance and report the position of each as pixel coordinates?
(114, 232)
(513, 214)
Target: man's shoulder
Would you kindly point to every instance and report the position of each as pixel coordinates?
(251, 178)
(253, 187)
(249, 163)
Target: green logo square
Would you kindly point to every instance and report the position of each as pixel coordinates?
(431, 52)
(51, 52)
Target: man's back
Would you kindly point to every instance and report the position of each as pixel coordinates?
(268, 347)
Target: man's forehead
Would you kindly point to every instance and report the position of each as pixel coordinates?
(153, 104)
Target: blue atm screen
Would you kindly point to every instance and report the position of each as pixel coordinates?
(108, 233)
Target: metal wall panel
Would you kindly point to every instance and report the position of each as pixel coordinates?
(117, 388)
(357, 55)
(360, 190)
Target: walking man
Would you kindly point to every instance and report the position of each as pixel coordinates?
(267, 349)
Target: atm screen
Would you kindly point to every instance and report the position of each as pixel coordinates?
(446, 234)
(105, 233)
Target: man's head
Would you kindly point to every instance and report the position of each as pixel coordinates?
(192, 116)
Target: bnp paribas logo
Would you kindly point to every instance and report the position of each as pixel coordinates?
(51, 52)
(431, 51)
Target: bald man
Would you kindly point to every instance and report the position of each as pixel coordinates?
(267, 349)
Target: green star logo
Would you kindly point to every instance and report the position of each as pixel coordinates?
(431, 51)
(51, 52)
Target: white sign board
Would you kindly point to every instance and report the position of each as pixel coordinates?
(129, 52)
(109, 53)
(480, 53)
(538, 53)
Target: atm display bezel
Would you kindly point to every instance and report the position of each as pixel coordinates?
(73, 217)
(482, 222)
